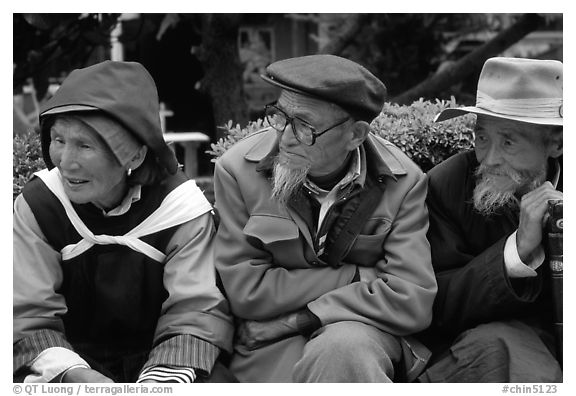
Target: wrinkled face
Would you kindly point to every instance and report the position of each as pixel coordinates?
(330, 149)
(88, 167)
(296, 160)
(513, 160)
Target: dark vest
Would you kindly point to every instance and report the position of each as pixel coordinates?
(113, 293)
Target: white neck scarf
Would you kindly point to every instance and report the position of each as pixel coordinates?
(184, 203)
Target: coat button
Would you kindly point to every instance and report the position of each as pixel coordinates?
(381, 179)
(314, 262)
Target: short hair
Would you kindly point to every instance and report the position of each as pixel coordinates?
(553, 134)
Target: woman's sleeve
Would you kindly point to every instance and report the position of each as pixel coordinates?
(37, 274)
(195, 323)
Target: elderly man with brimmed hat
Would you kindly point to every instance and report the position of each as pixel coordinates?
(492, 315)
(322, 245)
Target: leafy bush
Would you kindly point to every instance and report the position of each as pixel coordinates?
(26, 159)
(411, 128)
(234, 134)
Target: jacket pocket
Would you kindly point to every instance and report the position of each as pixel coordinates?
(368, 248)
(269, 229)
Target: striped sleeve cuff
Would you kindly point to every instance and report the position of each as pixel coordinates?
(27, 349)
(184, 351)
(183, 375)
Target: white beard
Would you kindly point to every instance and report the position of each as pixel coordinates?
(492, 194)
(288, 180)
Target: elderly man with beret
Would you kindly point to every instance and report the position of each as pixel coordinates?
(322, 245)
(492, 319)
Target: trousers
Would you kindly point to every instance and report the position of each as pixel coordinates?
(501, 351)
(348, 352)
(339, 352)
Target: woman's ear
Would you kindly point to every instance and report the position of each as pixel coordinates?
(359, 131)
(138, 158)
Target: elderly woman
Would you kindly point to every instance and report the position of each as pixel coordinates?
(113, 263)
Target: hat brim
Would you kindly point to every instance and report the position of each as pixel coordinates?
(68, 109)
(288, 87)
(451, 113)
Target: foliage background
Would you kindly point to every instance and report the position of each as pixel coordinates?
(26, 159)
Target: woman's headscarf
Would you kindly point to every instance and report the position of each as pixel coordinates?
(110, 93)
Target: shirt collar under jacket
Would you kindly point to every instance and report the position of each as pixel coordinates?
(356, 173)
(133, 195)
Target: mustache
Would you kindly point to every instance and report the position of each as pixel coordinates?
(485, 171)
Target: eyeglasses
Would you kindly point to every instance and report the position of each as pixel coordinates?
(304, 132)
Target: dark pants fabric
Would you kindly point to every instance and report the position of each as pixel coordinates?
(508, 351)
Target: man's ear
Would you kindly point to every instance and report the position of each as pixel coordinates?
(138, 158)
(556, 146)
(359, 131)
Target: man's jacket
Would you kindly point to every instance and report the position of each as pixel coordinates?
(266, 256)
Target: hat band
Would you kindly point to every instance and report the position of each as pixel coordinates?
(533, 108)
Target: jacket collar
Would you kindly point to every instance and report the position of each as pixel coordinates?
(380, 159)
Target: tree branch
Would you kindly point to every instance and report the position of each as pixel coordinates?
(468, 64)
(354, 23)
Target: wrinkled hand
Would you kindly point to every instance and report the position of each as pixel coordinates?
(82, 374)
(254, 334)
(533, 210)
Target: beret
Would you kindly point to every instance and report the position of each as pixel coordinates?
(332, 79)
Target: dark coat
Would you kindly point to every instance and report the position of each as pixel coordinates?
(468, 258)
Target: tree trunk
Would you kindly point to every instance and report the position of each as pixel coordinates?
(354, 23)
(223, 69)
(468, 64)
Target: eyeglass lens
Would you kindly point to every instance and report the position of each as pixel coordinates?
(278, 120)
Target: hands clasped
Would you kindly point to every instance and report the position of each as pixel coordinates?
(255, 334)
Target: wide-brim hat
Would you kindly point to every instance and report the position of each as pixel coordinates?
(526, 90)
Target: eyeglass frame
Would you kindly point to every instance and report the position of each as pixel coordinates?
(291, 121)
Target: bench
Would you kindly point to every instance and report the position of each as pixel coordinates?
(190, 142)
